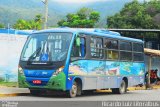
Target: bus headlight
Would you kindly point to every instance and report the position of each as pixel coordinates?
(20, 70)
(58, 71)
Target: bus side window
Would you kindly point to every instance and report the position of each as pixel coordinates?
(112, 54)
(111, 49)
(79, 47)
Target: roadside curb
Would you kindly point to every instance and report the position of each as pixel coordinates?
(14, 94)
(134, 88)
(13, 91)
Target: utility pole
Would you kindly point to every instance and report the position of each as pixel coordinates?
(46, 14)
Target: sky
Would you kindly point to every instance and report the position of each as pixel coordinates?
(84, 1)
(77, 1)
(71, 1)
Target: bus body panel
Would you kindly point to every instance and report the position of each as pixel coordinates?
(106, 74)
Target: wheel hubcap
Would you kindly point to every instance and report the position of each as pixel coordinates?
(74, 90)
(122, 87)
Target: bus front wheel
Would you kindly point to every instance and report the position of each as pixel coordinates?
(73, 91)
(121, 90)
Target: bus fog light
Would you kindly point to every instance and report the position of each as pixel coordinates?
(20, 70)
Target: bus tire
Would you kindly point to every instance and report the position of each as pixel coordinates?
(121, 90)
(73, 91)
(79, 88)
(35, 92)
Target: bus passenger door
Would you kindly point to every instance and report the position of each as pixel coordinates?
(79, 66)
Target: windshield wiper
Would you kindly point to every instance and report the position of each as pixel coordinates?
(35, 53)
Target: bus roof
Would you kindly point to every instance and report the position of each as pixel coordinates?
(91, 31)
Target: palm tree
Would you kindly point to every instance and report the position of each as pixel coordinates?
(38, 22)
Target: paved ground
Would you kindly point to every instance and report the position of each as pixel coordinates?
(137, 95)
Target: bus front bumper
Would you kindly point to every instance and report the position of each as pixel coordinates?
(53, 83)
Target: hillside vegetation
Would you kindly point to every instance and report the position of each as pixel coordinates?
(13, 10)
(137, 15)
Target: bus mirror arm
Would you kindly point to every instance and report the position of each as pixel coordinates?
(70, 60)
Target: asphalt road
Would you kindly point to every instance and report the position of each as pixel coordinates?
(138, 95)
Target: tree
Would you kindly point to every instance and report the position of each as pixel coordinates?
(61, 22)
(21, 24)
(84, 18)
(84, 13)
(137, 15)
(94, 16)
(1, 26)
(38, 22)
(29, 24)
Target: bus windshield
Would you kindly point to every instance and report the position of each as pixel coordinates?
(45, 47)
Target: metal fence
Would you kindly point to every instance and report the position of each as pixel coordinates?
(152, 45)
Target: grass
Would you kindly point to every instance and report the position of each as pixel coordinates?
(8, 84)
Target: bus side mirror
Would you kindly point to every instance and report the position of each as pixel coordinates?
(78, 41)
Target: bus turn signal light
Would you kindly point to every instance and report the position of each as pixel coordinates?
(58, 71)
(20, 70)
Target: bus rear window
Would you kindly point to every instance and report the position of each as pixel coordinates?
(125, 46)
(137, 47)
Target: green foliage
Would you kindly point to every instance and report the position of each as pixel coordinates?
(36, 24)
(94, 16)
(21, 24)
(137, 15)
(1, 26)
(8, 84)
(84, 18)
(84, 13)
(27, 9)
(1, 79)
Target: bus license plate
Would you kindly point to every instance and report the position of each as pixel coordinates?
(37, 81)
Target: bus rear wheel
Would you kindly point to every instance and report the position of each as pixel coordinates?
(121, 90)
(73, 91)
